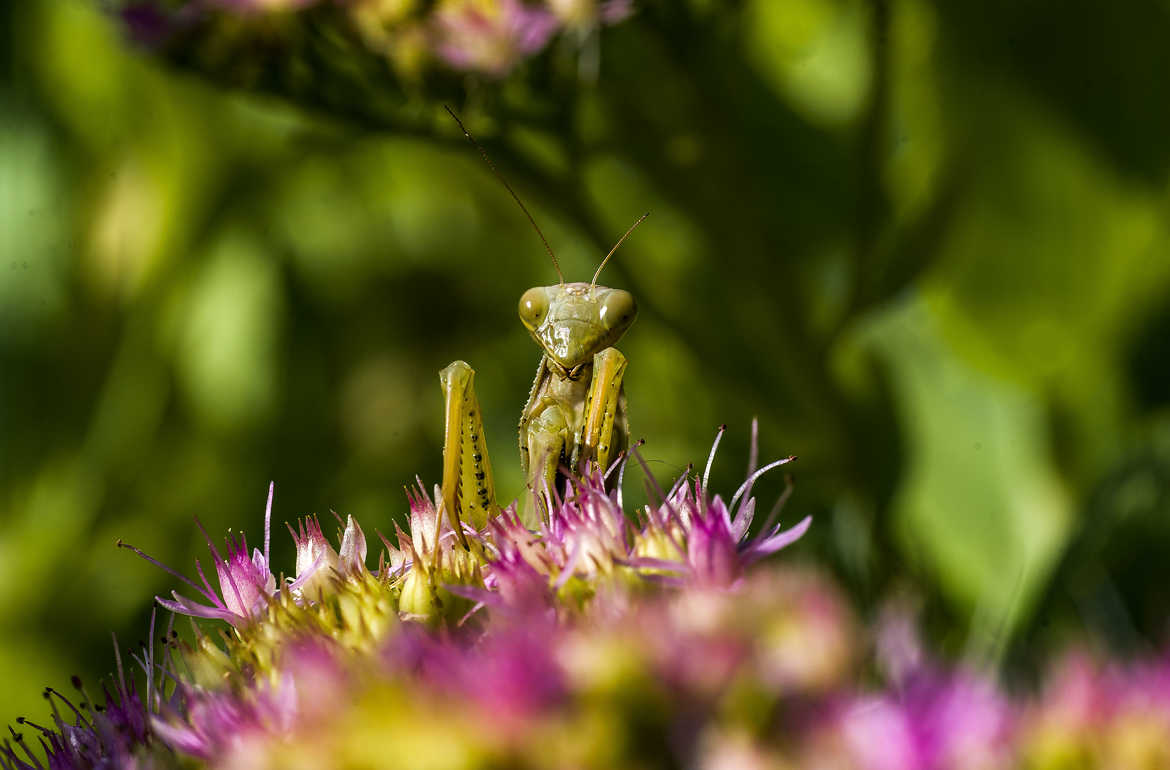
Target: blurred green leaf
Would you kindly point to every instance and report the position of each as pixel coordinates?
(981, 507)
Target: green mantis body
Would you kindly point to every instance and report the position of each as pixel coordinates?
(576, 410)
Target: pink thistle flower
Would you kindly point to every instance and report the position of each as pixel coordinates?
(1138, 735)
(1106, 716)
(517, 578)
(490, 37)
(712, 548)
(234, 727)
(1074, 699)
(509, 675)
(211, 725)
(516, 543)
(587, 532)
(690, 538)
(322, 682)
(959, 719)
(246, 585)
(718, 544)
(702, 654)
(866, 733)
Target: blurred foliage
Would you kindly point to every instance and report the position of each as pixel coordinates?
(925, 243)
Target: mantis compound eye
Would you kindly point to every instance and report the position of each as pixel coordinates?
(533, 307)
(618, 310)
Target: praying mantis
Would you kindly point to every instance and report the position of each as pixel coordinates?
(576, 414)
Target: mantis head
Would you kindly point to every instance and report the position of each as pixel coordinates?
(570, 321)
(573, 321)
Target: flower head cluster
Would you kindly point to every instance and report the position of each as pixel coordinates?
(602, 637)
(489, 37)
(114, 731)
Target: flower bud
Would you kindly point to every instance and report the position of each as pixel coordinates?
(418, 599)
(316, 559)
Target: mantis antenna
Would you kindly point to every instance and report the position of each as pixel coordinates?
(615, 248)
(508, 187)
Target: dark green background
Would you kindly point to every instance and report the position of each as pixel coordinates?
(925, 243)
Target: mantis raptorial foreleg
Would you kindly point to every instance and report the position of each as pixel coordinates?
(544, 437)
(469, 490)
(605, 430)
